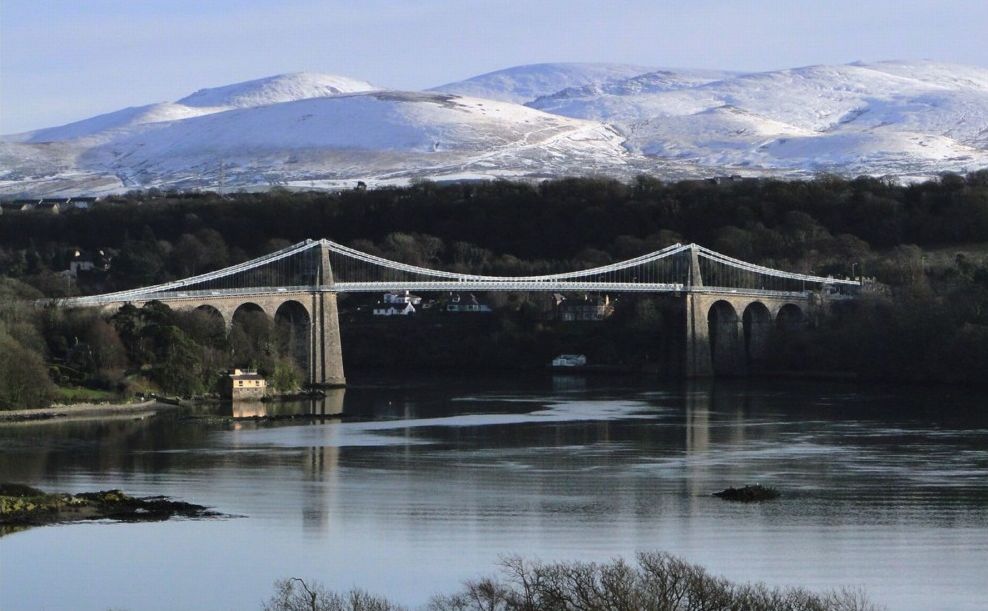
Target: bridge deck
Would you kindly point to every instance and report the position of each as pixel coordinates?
(425, 287)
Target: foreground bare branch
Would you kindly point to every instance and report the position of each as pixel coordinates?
(657, 582)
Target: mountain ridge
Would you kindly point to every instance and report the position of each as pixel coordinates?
(904, 119)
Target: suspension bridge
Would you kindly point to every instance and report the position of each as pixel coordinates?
(729, 305)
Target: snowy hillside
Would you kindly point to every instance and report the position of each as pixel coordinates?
(523, 84)
(886, 117)
(275, 89)
(271, 90)
(101, 124)
(382, 132)
(380, 135)
(905, 119)
(627, 99)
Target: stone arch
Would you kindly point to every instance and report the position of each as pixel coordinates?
(213, 311)
(251, 332)
(205, 322)
(790, 318)
(725, 343)
(244, 309)
(293, 325)
(757, 324)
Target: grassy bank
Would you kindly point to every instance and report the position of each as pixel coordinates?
(82, 410)
(78, 394)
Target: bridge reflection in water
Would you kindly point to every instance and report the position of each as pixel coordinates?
(727, 307)
(706, 421)
(314, 408)
(320, 462)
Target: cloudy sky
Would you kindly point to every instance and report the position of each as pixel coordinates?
(64, 60)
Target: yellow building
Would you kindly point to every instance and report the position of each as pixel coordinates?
(244, 384)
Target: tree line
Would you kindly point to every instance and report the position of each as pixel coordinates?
(823, 225)
(925, 242)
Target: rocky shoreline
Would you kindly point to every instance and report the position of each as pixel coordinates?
(22, 507)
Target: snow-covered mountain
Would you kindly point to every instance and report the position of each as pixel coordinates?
(907, 119)
(260, 92)
(381, 134)
(881, 118)
(522, 84)
(276, 89)
(623, 99)
(314, 141)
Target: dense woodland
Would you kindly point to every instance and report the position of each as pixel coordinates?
(926, 243)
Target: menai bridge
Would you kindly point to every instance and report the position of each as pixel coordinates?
(730, 307)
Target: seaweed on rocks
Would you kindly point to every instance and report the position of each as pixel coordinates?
(22, 506)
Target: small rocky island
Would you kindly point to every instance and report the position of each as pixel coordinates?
(23, 506)
(748, 494)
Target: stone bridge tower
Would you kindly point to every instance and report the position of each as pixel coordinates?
(728, 330)
(698, 358)
(320, 329)
(327, 348)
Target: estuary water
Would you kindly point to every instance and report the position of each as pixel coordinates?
(407, 486)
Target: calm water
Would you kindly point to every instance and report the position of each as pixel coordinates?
(426, 482)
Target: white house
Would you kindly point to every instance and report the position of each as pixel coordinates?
(393, 310)
(396, 304)
(402, 298)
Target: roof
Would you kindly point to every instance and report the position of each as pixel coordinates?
(246, 376)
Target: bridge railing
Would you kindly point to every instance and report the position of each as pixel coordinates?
(298, 269)
(176, 295)
(520, 286)
(384, 287)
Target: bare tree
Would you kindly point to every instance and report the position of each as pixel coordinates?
(294, 594)
(657, 582)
